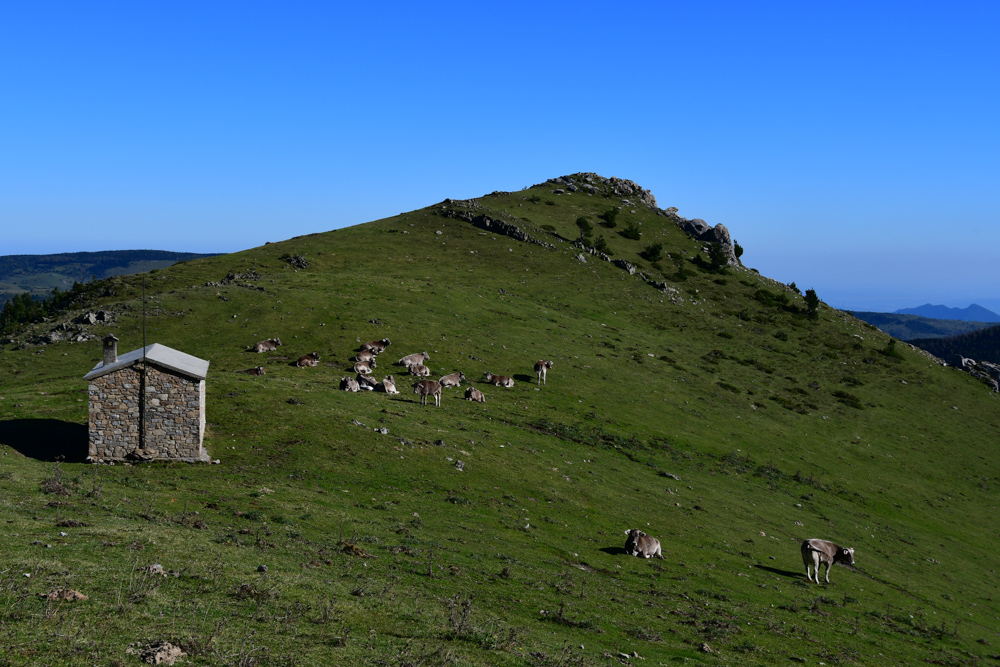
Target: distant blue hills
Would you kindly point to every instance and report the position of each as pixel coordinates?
(974, 313)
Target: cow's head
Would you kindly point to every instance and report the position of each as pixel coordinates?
(632, 542)
(845, 555)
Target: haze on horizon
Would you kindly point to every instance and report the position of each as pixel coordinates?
(851, 149)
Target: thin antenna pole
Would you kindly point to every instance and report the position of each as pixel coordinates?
(142, 382)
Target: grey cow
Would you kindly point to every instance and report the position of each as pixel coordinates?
(816, 552)
(642, 545)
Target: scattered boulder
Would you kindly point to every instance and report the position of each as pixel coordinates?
(64, 594)
(157, 653)
(297, 261)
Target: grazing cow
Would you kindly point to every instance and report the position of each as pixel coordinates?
(269, 345)
(417, 358)
(428, 388)
(365, 355)
(366, 382)
(473, 394)
(642, 545)
(364, 367)
(258, 370)
(311, 359)
(499, 380)
(540, 368)
(349, 384)
(388, 385)
(420, 370)
(816, 552)
(376, 346)
(453, 380)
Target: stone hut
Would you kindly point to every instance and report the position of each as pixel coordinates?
(147, 404)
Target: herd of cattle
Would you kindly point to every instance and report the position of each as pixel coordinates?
(815, 552)
(364, 363)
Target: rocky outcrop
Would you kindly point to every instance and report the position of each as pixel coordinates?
(702, 231)
(495, 226)
(631, 193)
(985, 371)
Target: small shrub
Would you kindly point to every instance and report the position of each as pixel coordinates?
(652, 252)
(781, 335)
(601, 245)
(848, 399)
(586, 229)
(724, 334)
(631, 231)
(609, 218)
(794, 288)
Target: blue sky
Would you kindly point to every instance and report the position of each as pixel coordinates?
(849, 147)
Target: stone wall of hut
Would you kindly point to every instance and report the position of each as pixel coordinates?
(174, 414)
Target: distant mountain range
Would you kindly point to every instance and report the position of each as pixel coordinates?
(39, 274)
(974, 313)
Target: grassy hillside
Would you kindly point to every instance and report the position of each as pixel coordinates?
(912, 327)
(715, 415)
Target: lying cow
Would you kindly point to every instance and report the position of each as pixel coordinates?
(416, 358)
(642, 545)
(817, 552)
(499, 380)
(420, 370)
(388, 385)
(364, 367)
(366, 382)
(540, 368)
(259, 370)
(311, 359)
(365, 355)
(473, 394)
(349, 384)
(269, 345)
(453, 380)
(428, 388)
(375, 346)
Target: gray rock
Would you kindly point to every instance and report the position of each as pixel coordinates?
(625, 266)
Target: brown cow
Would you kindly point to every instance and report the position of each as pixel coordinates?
(453, 380)
(311, 359)
(420, 370)
(817, 552)
(376, 346)
(428, 388)
(640, 544)
(499, 380)
(269, 345)
(258, 370)
(416, 358)
(364, 367)
(388, 385)
(540, 368)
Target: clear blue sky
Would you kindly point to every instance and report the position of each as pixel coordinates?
(849, 147)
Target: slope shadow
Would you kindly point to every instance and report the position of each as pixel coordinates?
(774, 570)
(46, 439)
(614, 551)
(521, 377)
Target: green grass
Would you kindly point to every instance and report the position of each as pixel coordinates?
(729, 427)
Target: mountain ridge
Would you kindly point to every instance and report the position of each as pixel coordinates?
(971, 313)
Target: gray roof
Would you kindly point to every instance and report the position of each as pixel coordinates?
(161, 355)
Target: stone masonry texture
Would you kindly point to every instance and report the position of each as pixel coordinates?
(174, 415)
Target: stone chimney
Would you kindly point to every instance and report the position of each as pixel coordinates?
(110, 349)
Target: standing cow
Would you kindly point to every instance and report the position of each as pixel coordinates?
(540, 369)
(817, 552)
